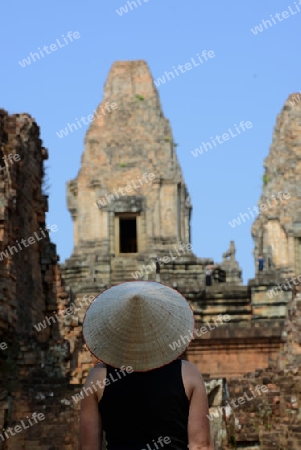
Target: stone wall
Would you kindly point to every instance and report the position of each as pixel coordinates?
(235, 348)
(245, 341)
(34, 365)
(271, 419)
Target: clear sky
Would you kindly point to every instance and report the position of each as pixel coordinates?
(248, 79)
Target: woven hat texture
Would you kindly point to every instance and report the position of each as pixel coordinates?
(137, 324)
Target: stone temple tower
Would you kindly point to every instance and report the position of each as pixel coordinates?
(129, 202)
(277, 230)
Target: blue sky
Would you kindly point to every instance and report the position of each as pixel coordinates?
(249, 79)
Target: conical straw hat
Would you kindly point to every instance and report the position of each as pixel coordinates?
(142, 324)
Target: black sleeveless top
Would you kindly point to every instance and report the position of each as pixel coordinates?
(140, 407)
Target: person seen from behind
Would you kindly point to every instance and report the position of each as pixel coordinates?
(142, 395)
(209, 272)
(260, 262)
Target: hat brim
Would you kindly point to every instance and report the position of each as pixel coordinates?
(141, 324)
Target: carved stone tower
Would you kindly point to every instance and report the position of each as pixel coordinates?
(277, 229)
(129, 202)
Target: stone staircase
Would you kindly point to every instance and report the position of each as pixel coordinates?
(123, 268)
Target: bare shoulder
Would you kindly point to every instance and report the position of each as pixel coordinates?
(198, 423)
(192, 378)
(190, 370)
(98, 372)
(96, 378)
(100, 365)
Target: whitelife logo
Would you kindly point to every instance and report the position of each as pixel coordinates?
(296, 99)
(72, 309)
(124, 9)
(221, 139)
(227, 408)
(31, 240)
(8, 160)
(262, 207)
(128, 188)
(285, 15)
(53, 48)
(19, 428)
(101, 384)
(188, 66)
(285, 286)
(90, 118)
(161, 260)
(3, 346)
(203, 330)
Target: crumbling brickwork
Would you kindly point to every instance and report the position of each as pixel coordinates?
(271, 420)
(34, 366)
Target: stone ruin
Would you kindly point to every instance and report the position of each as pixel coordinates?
(129, 224)
(35, 365)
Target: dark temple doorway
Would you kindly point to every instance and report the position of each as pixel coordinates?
(128, 235)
